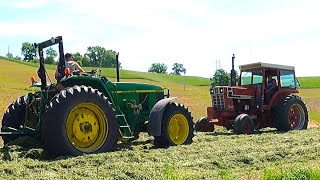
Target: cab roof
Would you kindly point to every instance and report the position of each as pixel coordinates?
(265, 65)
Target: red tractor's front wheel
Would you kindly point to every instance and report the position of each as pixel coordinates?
(243, 124)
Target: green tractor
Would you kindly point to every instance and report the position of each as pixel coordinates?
(87, 113)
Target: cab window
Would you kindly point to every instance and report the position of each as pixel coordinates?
(287, 79)
(251, 77)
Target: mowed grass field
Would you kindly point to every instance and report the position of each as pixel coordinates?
(221, 155)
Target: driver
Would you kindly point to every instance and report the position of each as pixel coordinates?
(71, 64)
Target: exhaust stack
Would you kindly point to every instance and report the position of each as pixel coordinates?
(233, 73)
(117, 67)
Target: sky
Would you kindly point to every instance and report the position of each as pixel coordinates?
(195, 33)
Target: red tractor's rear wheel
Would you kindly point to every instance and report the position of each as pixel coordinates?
(243, 124)
(291, 114)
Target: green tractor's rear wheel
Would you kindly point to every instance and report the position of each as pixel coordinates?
(80, 120)
(291, 114)
(14, 117)
(177, 127)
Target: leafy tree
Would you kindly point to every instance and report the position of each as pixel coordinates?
(178, 68)
(50, 55)
(158, 68)
(85, 61)
(220, 78)
(78, 57)
(9, 55)
(28, 51)
(100, 57)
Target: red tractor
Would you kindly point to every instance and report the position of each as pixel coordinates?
(254, 104)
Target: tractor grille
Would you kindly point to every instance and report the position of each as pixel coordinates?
(217, 97)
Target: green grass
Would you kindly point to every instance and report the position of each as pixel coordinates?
(221, 155)
(309, 82)
(315, 116)
(293, 173)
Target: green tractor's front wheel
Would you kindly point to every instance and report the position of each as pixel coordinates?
(177, 127)
(80, 120)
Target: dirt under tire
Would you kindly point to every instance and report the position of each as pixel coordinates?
(13, 117)
(291, 114)
(176, 128)
(243, 124)
(80, 120)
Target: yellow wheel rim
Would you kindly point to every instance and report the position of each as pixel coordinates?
(178, 129)
(86, 127)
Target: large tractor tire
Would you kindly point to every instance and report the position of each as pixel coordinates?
(176, 128)
(290, 114)
(14, 117)
(80, 120)
(243, 124)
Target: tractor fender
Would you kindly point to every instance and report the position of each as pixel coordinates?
(155, 117)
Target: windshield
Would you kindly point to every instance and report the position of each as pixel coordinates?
(251, 77)
(287, 79)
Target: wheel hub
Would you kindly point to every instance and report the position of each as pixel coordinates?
(296, 116)
(85, 127)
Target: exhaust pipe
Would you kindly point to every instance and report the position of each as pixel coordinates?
(117, 68)
(233, 73)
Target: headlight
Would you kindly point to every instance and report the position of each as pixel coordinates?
(221, 90)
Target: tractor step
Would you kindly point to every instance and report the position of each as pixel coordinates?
(11, 133)
(120, 115)
(127, 137)
(124, 128)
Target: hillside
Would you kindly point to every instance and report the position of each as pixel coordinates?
(127, 74)
(305, 82)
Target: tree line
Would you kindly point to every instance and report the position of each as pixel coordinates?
(96, 56)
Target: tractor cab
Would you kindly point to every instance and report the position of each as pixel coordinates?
(264, 97)
(268, 80)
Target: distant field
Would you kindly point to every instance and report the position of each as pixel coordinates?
(309, 82)
(127, 74)
(222, 155)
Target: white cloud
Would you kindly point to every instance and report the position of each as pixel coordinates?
(23, 4)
